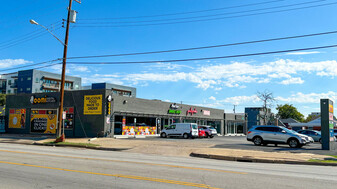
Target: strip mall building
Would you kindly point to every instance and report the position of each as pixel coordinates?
(102, 113)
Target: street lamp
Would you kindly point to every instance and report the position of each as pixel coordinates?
(35, 23)
(60, 137)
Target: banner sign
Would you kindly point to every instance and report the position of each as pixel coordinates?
(43, 121)
(92, 105)
(206, 112)
(69, 120)
(138, 130)
(17, 118)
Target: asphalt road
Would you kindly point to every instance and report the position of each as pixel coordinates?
(27, 166)
(240, 142)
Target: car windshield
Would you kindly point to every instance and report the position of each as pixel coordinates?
(194, 126)
(290, 131)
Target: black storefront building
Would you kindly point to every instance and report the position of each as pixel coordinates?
(99, 112)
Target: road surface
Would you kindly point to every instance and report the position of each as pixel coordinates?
(28, 166)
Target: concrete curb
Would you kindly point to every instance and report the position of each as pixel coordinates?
(78, 146)
(257, 160)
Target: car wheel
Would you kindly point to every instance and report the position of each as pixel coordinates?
(211, 136)
(163, 135)
(320, 140)
(207, 135)
(257, 141)
(265, 144)
(185, 136)
(293, 143)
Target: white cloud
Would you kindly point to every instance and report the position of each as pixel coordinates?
(235, 74)
(212, 98)
(168, 66)
(308, 98)
(8, 63)
(80, 68)
(303, 53)
(294, 80)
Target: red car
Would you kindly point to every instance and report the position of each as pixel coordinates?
(202, 133)
(206, 130)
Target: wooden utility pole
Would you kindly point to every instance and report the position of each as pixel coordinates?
(60, 113)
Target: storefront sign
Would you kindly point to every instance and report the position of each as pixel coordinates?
(92, 105)
(42, 100)
(174, 111)
(191, 111)
(43, 121)
(69, 118)
(17, 118)
(331, 108)
(206, 112)
(174, 106)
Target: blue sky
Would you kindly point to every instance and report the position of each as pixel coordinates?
(300, 78)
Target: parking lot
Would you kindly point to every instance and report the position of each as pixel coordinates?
(240, 142)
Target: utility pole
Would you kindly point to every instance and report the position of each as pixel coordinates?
(59, 125)
(234, 108)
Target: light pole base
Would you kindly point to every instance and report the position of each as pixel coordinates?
(62, 138)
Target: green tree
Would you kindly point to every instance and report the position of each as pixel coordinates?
(2, 99)
(311, 117)
(289, 111)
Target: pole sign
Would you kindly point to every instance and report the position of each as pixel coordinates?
(327, 125)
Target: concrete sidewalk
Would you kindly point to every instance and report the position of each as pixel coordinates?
(185, 148)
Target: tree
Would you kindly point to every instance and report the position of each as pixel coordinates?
(289, 111)
(311, 117)
(2, 99)
(268, 99)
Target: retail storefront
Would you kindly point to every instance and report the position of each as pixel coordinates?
(91, 113)
(235, 124)
(135, 116)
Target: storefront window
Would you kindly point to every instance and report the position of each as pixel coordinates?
(135, 125)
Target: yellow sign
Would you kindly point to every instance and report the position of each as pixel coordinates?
(43, 121)
(330, 108)
(17, 118)
(92, 105)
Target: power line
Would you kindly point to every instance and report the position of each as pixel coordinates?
(212, 15)
(210, 58)
(35, 64)
(30, 33)
(25, 39)
(209, 19)
(182, 13)
(207, 47)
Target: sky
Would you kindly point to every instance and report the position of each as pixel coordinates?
(105, 27)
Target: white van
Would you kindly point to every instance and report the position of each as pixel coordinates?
(185, 130)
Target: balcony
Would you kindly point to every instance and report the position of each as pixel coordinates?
(55, 86)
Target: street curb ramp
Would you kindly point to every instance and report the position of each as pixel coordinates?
(258, 160)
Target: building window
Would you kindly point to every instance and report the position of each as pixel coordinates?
(37, 80)
(76, 86)
(21, 79)
(9, 91)
(36, 90)
(21, 89)
(29, 78)
(9, 82)
(28, 89)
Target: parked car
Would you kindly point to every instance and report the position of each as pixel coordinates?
(202, 133)
(270, 134)
(186, 130)
(212, 129)
(316, 135)
(207, 130)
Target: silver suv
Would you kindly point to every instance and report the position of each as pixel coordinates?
(271, 134)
